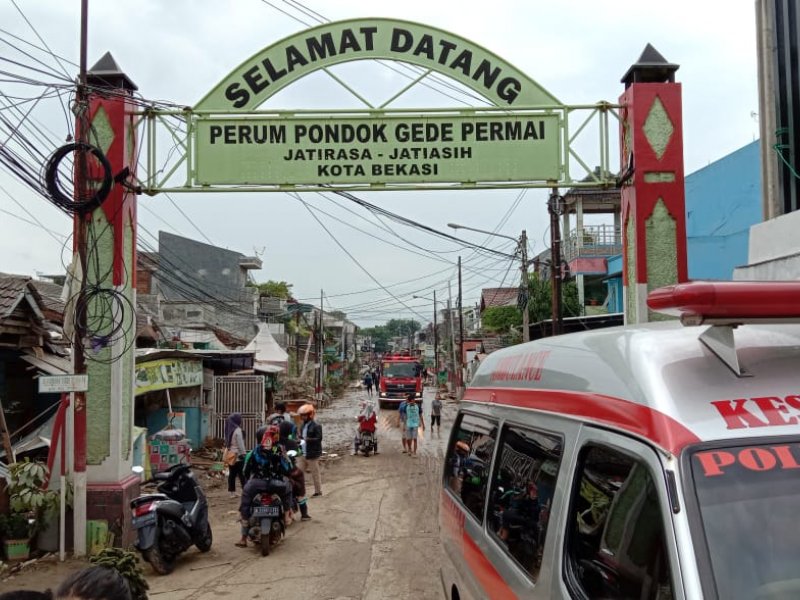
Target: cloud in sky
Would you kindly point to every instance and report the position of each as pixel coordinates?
(578, 50)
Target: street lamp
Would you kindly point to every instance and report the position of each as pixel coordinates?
(522, 246)
(435, 331)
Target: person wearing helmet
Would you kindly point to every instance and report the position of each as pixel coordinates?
(311, 433)
(367, 421)
(296, 476)
(280, 416)
(265, 469)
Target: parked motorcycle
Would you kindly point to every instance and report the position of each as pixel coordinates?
(366, 442)
(266, 524)
(169, 522)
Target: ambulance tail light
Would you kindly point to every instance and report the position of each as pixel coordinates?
(729, 302)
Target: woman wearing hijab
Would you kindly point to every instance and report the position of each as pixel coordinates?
(234, 442)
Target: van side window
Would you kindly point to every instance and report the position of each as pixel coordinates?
(523, 483)
(616, 546)
(468, 460)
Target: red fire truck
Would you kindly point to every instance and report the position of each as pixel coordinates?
(401, 375)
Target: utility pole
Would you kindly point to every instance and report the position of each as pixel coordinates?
(297, 343)
(460, 337)
(526, 326)
(452, 332)
(321, 354)
(553, 207)
(435, 337)
(78, 407)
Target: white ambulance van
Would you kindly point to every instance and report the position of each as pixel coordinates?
(650, 462)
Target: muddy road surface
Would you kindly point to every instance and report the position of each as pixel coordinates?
(374, 533)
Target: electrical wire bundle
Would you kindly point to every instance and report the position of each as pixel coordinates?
(24, 159)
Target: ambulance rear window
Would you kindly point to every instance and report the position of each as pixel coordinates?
(748, 499)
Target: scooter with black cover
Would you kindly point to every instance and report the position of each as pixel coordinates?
(170, 521)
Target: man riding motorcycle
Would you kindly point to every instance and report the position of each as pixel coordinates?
(265, 468)
(367, 421)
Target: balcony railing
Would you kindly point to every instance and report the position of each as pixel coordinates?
(592, 241)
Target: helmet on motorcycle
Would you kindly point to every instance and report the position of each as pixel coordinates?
(307, 410)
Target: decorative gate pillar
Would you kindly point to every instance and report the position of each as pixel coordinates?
(109, 343)
(653, 198)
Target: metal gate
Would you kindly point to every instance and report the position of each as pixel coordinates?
(244, 395)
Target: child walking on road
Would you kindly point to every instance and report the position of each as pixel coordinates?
(436, 413)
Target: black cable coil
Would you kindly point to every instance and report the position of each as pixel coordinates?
(61, 196)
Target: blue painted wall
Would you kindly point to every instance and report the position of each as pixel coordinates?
(614, 283)
(722, 201)
(196, 423)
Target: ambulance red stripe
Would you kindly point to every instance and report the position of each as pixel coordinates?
(493, 584)
(649, 423)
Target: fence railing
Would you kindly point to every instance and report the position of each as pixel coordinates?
(592, 241)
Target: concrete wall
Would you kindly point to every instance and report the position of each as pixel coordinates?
(774, 250)
(722, 201)
(185, 263)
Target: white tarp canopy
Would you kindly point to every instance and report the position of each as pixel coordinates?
(269, 354)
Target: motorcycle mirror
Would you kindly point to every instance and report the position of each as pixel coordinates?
(138, 470)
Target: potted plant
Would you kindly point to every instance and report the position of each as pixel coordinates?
(28, 495)
(16, 530)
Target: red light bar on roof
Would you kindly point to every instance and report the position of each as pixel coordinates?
(729, 302)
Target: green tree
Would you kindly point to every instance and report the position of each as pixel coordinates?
(398, 327)
(540, 299)
(275, 289)
(379, 336)
(501, 319)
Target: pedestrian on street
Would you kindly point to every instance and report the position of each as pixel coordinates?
(234, 446)
(277, 417)
(413, 423)
(401, 411)
(375, 379)
(436, 412)
(368, 383)
(311, 433)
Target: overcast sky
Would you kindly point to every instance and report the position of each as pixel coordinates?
(177, 50)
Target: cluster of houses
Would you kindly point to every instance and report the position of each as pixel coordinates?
(206, 345)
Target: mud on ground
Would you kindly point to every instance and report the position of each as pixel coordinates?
(374, 532)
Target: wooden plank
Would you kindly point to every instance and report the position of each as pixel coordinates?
(6, 438)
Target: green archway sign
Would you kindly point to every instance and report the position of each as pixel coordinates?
(521, 140)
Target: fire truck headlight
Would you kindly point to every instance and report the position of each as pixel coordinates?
(419, 394)
(383, 394)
